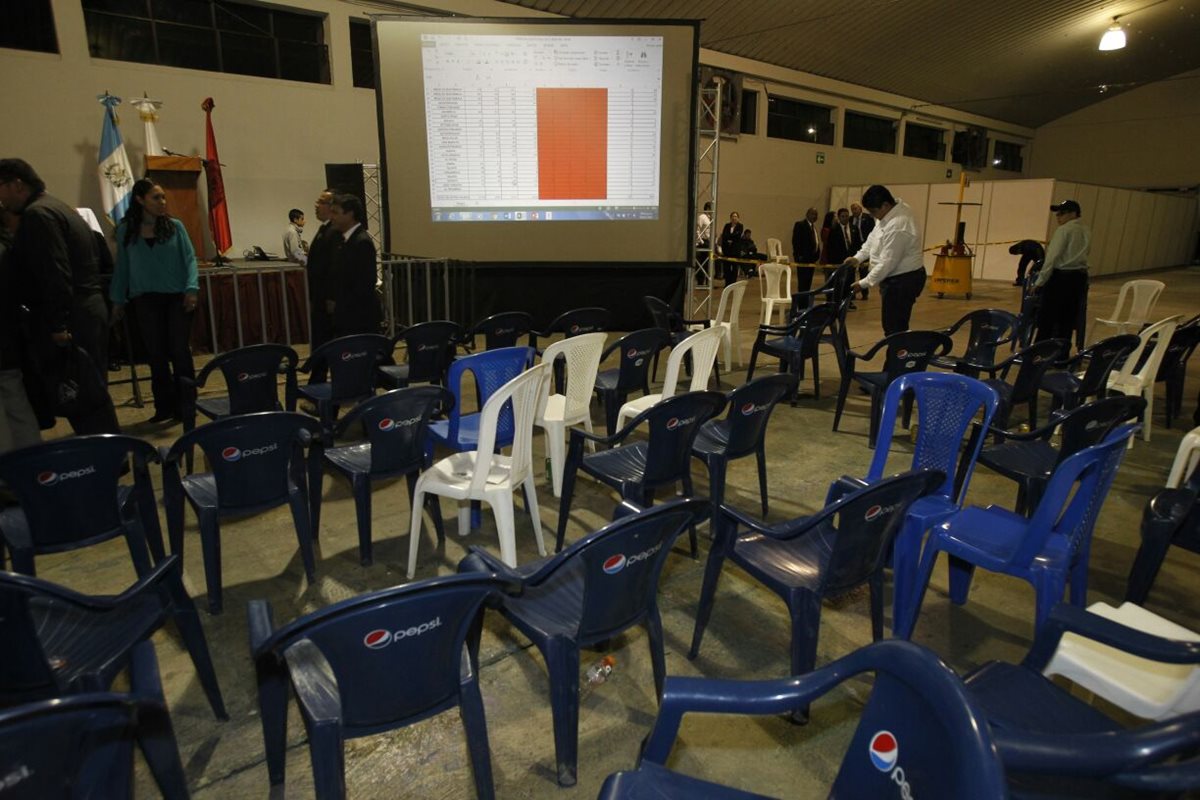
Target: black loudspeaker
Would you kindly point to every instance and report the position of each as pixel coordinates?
(346, 179)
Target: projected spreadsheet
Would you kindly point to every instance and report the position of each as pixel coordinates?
(532, 128)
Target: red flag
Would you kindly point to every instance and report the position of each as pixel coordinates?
(218, 212)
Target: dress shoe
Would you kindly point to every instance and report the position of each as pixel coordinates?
(161, 416)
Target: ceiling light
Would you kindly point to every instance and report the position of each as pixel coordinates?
(1113, 38)
(812, 131)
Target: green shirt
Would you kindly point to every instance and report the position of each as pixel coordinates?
(1068, 250)
(168, 267)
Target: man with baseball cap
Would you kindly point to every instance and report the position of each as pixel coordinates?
(1063, 279)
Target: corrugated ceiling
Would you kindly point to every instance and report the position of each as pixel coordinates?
(1023, 62)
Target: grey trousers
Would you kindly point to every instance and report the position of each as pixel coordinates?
(18, 424)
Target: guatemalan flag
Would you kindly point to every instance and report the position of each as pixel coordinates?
(116, 176)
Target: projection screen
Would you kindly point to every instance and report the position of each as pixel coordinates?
(537, 141)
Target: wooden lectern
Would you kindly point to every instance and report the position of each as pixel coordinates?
(178, 176)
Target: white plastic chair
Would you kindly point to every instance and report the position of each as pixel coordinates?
(729, 311)
(1145, 296)
(775, 288)
(557, 411)
(1150, 689)
(487, 476)
(1187, 459)
(1131, 383)
(775, 252)
(703, 346)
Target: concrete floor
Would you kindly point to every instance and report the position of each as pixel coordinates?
(747, 638)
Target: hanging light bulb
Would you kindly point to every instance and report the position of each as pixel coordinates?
(1113, 38)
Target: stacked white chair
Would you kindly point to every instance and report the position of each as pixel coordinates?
(729, 310)
(1132, 380)
(557, 411)
(1141, 306)
(488, 476)
(775, 288)
(703, 346)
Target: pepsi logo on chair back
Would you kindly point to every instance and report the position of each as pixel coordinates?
(753, 408)
(348, 356)
(877, 511)
(615, 563)
(389, 424)
(51, 478)
(884, 752)
(381, 638)
(237, 454)
(676, 422)
(250, 376)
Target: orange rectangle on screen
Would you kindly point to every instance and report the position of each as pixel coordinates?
(572, 129)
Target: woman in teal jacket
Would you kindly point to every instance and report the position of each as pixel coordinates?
(156, 271)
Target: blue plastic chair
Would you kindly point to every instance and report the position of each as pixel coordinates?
(577, 321)
(987, 330)
(920, 733)
(635, 352)
(371, 664)
(491, 369)
(428, 351)
(61, 642)
(350, 363)
(1051, 549)
(257, 463)
(505, 329)
(905, 352)
(70, 496)
(395, 427)
(796, 343)
(637, 470)
(1171, 517)
(594, 590)
(251, 380)
(807, 559)
(1032, 364)
(946, 405)
(82, 746)
(743, 431)
(1030, 459)
(1053, 744)
(1069, 390)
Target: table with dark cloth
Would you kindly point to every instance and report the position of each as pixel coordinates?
(252, 302)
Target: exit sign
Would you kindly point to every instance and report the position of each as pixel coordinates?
(820, 158)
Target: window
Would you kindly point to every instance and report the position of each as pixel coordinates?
(362, 54)
(1007, 155)
(28, 25)
(864, 132)
(970, 148)
(214, 35)
(749, 112)
(799, 121)
(921, 141)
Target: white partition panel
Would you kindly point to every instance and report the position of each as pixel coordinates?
(1016, 210)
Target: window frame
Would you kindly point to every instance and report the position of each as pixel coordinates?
(781, 125)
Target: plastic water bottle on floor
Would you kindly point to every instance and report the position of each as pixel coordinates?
(597, 674)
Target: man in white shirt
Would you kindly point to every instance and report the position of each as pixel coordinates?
(293, 238)
(893, 251)
(704, 241)
(1062, 281)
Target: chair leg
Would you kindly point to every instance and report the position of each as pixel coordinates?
(902, 627)
(556, 447)
(506, 529)
(210, 546)
(471, 710)
(875, 584)
(328, 753)
(299, 505)
(1146, 564)
(906, 554)
(961, 573)
(658, 660)
(156, 735)
(805, 611)
(535, 516)
(688, 491)
(843, 391)
(361, 486)
(876, 413)
(816, 377)
(753, 364)
(414, 531)
(1048, 590)
(562, 662)
(187, 620)
(431, 505)
(316, 480)
(564, 503)
(708, 591)
(272, 710)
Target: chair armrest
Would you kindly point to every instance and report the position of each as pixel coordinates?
(1070, 619)
(616, 438)
(843, 486)
(705, 322)
(315, 684)
(707, 696)
(788, 530)
(626, 508)
(261, 624)
(1095, 754)
(480, 560)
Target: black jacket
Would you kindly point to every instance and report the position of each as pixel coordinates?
(806, 242)
(352, 284)
(56, 260)
(320, 263)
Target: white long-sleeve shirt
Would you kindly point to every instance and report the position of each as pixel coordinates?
(293, 245)
(1068, 250)
(893, 246)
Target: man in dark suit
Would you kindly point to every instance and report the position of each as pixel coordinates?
(840, 244)
(806, 248)
(353, 303)
(861, 226)
(319, 267)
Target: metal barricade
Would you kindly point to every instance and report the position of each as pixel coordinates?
(424, 289)
(257, 269)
